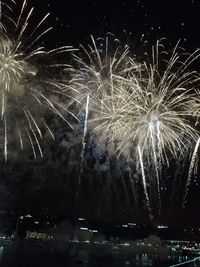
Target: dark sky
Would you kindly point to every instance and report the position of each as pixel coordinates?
(172, 19)
(74, 21)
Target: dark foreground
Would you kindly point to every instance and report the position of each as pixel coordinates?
(43, 254)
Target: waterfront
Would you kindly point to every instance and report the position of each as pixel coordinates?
(43, 254)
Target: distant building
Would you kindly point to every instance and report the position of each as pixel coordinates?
(38, 235)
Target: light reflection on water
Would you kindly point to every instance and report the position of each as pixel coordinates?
(43, 255)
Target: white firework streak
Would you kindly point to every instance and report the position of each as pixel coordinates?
(83, 142)
(152, 133)
(191, 168)
(5, 141)
(144, 180)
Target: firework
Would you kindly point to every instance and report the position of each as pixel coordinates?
(99, 67)
(151, 108)
(158, 116)
(95, 67)
(142, 109)
(26, 92)
(103, 69)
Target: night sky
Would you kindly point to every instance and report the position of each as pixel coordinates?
(129, 19)
(49, 185)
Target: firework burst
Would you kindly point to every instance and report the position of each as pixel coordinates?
(26, 94)
(142, 109)
(95, 67)
(152, 106)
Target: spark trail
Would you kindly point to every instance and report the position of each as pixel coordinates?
(191, 168)
(144, 181)
(83, 142)
(154, 126)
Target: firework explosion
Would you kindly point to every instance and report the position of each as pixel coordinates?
(26, 92)
(95, 66)
(141, 110)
